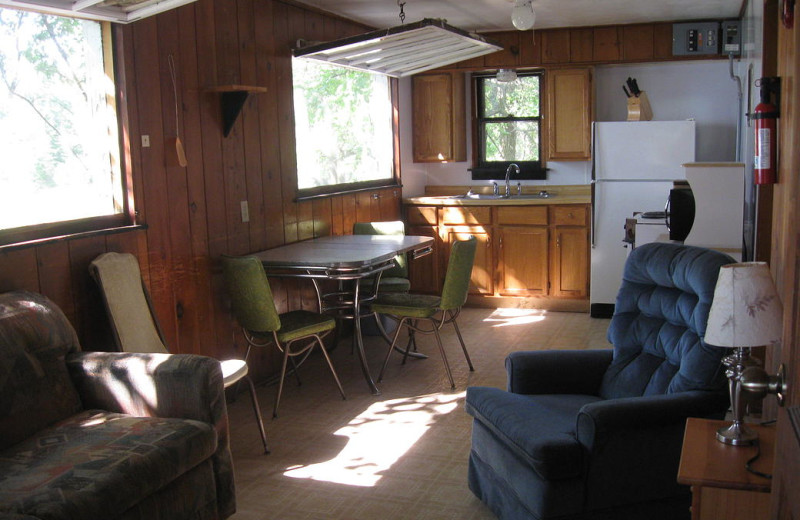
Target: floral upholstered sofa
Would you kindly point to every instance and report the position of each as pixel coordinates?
(94, 435)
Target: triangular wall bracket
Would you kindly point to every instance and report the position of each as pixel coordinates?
(232, 99)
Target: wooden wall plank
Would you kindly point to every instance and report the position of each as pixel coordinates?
(19, 271)
(268, 123)
(283, 38)
(55, 276)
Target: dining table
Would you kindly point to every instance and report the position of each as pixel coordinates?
(348, 260)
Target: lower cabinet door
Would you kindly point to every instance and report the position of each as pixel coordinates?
(522, 260)
(570, 253)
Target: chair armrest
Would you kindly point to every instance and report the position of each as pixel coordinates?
(155, 385)
(557, 371)
(602, 419)
(639, 441)
(183, 386)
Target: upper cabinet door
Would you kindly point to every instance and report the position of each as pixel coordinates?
(439, 117)
(569, 114)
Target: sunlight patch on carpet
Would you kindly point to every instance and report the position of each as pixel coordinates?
(505, 317)
(378, 438)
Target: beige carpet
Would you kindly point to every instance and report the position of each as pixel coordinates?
(400, 455)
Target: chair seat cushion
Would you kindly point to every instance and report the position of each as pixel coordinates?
(539, 428)
(232, 371)
(388, 284)
(99, 464)
(299, 324)
(406, 305)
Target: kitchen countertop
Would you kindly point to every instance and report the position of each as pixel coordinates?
(441, 196)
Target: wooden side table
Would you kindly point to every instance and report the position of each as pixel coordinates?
(722, 489)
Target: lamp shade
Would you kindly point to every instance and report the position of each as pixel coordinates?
(746, 311)
(522, 15)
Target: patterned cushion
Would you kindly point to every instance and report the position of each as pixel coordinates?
(35, 388)
(99, 464)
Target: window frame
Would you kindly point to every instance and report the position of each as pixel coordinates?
(353, 187)
(496, 170)
(113, 59)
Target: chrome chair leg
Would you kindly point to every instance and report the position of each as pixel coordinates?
(444, 357)
(330, 365)
(391, 347)
(280, 383)
(257, 411)
(463, 346)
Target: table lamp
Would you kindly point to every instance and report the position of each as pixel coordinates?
(746, 312)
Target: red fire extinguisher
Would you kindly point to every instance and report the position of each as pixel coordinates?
(765, 115)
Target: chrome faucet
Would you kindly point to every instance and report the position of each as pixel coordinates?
(511, 166)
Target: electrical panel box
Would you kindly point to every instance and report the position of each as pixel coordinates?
(695, 38)
(731, 37)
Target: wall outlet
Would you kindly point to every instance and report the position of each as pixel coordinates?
(145, 141)
(245, 211)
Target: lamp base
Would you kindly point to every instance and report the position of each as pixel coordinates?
(737, 434)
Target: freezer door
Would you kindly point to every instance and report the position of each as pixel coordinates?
(643, 149)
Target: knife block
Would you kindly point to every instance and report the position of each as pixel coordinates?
(639, 108)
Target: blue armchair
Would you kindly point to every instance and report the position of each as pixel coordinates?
(597, 433)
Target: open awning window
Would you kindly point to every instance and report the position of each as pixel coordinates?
(120, 11)
(403, 50)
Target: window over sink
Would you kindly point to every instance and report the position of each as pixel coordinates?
(344, 128)
(508, 126)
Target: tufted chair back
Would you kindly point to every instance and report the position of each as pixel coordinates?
(660, 320)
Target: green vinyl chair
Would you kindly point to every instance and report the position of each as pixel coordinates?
(411, 309)
(134, 324)
(396, 278)
(254, 309)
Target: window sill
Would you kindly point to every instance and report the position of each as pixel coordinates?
(72, 236)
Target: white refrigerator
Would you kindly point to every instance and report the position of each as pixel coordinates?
(633, 166)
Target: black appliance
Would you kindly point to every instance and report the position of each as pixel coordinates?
(680, 211)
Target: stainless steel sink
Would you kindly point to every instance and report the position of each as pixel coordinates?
(489, 196)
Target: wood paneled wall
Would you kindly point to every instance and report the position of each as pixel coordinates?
(193, 213)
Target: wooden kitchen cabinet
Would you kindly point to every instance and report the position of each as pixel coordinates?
(522, 261)
(569, 252)
(439, 117)
(569, 106)
(523, 251)
(482, 278)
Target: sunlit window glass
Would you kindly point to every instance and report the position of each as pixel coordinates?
(343, 125)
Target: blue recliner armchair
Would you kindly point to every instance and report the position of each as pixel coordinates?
(589, 434)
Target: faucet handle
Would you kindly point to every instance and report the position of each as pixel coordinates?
(495, 188)
(519, 188)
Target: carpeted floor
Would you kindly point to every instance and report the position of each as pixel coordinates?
(399, 455)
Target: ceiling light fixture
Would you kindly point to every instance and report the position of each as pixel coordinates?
(522, 15)
(506, 75)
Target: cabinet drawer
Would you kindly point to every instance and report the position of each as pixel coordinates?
(421, 215)
(533, 215)
(467, 215)
(569, 215)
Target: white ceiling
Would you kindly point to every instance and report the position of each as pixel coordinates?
(495, 15)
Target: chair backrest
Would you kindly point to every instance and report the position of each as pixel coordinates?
(391, 227)
(660, 320)
(250, 293)
(127, 303)
(459, 271)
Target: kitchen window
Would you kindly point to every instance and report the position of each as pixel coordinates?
(508, 126)
(60, 171)
(344, 128)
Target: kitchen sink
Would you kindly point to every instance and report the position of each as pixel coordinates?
(490, 196)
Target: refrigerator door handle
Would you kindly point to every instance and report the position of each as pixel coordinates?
(594, 177)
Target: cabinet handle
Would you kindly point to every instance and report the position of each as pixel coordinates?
(558, 241)
(570, 215)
